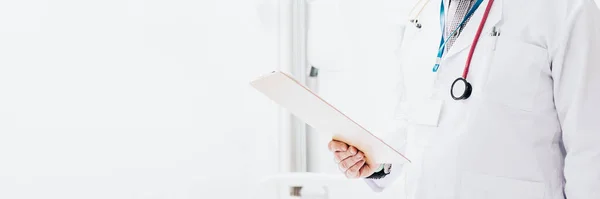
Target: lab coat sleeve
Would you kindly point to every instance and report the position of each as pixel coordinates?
(379, 185)
(576, 75)
(398, 140)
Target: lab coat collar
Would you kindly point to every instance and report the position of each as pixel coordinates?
(465, 39)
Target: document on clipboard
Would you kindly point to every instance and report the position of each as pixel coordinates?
(306, 105)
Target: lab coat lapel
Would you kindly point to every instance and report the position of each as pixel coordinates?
(464, 41)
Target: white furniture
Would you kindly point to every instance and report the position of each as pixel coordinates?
(315, 186)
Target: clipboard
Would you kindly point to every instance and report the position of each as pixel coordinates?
(306, 105)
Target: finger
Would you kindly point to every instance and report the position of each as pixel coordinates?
(350, 161)
(354, 171)
(342, 155)
(335, 146)
(353, 150)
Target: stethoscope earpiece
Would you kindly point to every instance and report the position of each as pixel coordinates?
(415, 20)
(416, 23)
(461, 89)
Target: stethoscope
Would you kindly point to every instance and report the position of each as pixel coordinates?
(415, 20)
(461, 89)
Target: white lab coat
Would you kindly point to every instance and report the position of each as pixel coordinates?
(531, 128)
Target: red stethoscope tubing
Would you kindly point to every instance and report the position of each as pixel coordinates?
(476, 39)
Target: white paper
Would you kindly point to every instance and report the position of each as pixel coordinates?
(316, 112)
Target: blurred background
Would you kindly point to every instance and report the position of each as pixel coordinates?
(132, 99)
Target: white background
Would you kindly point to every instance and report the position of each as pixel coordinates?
(135, 98)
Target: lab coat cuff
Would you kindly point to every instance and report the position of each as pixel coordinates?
(382, 171)
(379, 185)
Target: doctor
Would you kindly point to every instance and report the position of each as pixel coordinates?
(498, 99)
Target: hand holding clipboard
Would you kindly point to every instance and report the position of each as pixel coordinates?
(316, 112)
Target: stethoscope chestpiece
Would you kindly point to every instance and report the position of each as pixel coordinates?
(461, 89)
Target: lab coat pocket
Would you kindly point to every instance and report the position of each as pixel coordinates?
(516, 73)
(424, 112)
(480, 186)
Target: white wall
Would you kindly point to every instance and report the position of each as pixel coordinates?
(135, 98)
